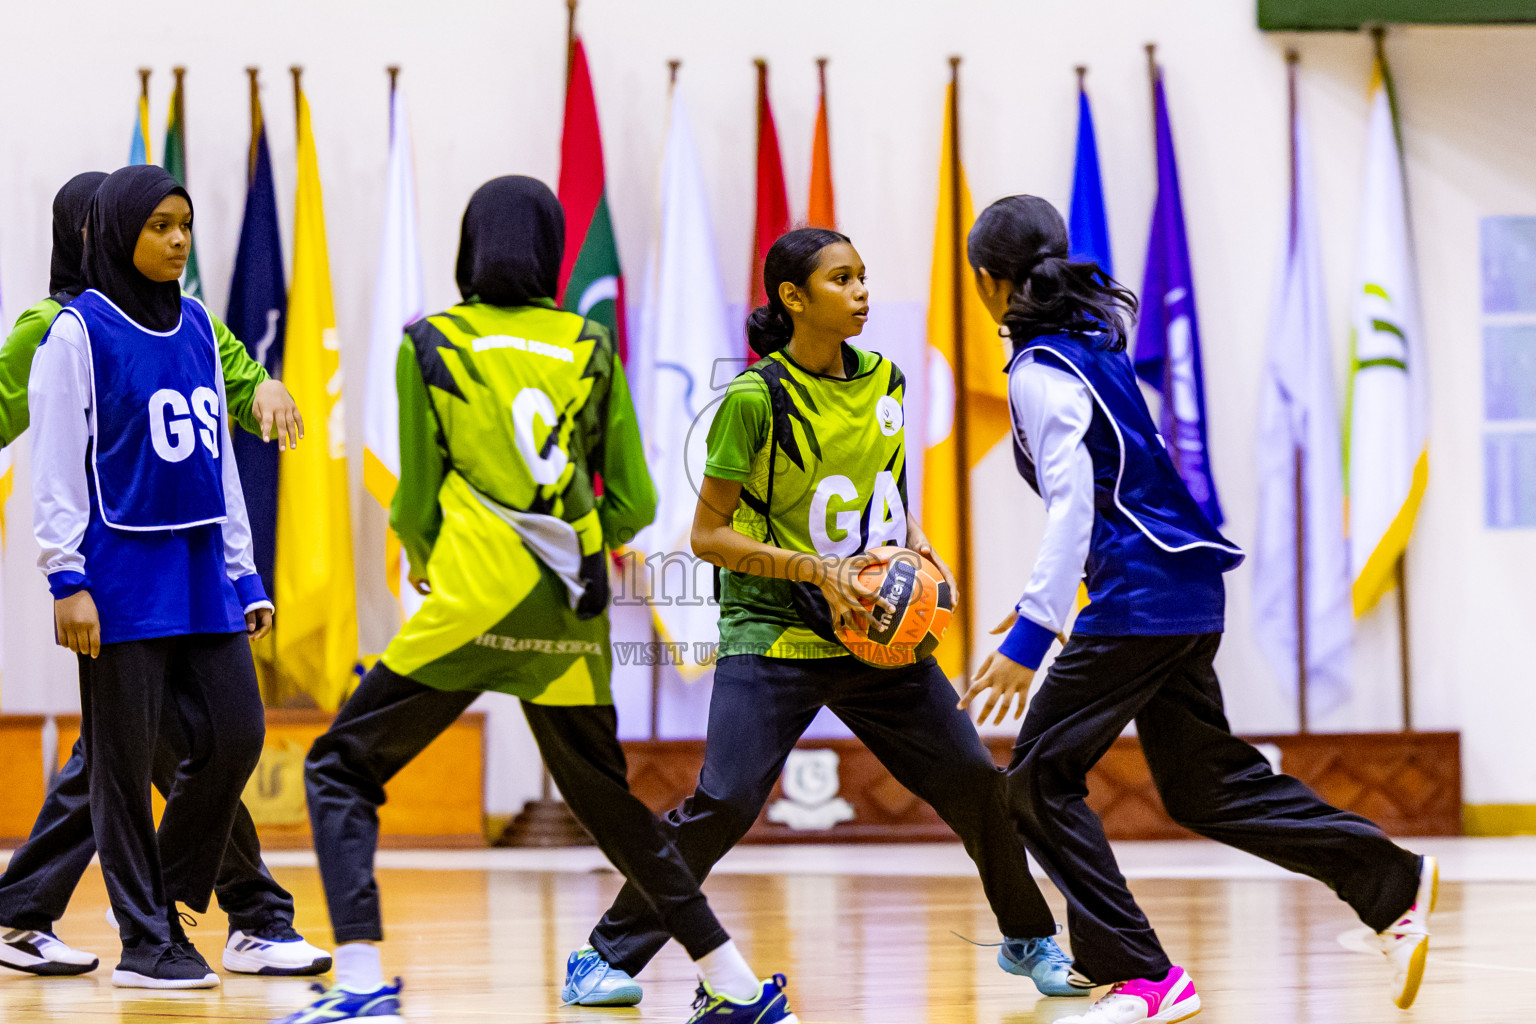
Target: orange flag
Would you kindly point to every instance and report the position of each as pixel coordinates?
(822, 211)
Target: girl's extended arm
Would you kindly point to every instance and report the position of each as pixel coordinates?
(1054, 410)
(716, 541)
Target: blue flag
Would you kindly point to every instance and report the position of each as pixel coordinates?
(1168, 334)
(258, 303)
(1088, 225)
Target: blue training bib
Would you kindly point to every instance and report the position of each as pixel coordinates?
(155, 460)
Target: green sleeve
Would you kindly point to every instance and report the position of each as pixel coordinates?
(242, 375)
(739, 429)
(16, 366)
(415, 514)
(628, 503)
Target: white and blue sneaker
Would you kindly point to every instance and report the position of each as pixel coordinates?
(42, 953)
(770, 1007)
(1044, 963)
(336, 1004)
(590, 981)
(274, 950)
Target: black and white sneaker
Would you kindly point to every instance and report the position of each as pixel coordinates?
(274, 950)
(169, 967)
(179, 923)
(42, 953)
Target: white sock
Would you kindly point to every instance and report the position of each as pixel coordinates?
(358, 968)
(728, 974)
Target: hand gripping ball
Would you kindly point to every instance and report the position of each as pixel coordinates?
(921, 606)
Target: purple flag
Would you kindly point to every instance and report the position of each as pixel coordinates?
(1168, 334)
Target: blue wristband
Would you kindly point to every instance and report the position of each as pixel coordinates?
(67, 583)
(1027, 642)
(249, 591)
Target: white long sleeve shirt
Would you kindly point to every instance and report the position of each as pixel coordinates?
(1051, 410)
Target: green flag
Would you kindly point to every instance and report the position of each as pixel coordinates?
(176, 163)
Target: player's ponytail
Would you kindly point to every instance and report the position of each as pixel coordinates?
(1022, 239)
(793, 258)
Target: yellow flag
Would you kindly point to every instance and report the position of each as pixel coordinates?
(316, 623)
(967, 417)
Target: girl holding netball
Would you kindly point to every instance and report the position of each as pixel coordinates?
(1142, 650)
(806, 471)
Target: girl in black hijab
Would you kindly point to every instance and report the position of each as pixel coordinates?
(70, 208)
(141, 522)
(511, 244)
(128, 237)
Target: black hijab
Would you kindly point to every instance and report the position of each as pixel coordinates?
(70, 206)
(118, 211)
(512, 242)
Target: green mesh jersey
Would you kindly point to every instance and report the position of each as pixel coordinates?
(506, 417)
(822, 463)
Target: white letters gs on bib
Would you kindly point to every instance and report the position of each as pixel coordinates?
(170, 422)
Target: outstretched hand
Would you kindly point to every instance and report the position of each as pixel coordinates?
(1007, 679)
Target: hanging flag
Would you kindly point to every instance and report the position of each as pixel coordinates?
(772, 218)
(967, 390)
(687, 353)
(1168, 334)
(138, 144)
(257, 304)
(591, 282)
(1301, 476)
(822, 210)
(176, 164)
(1387, 444)
(316, 629)
(1088, 225)
(397, 301)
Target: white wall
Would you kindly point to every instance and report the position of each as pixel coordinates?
(484, 82)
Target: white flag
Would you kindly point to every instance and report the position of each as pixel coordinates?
(1387, 458)
(1298, 419)
(397, 301)
(688, 352)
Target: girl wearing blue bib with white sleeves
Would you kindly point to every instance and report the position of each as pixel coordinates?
(138, 511)
(1119, 519)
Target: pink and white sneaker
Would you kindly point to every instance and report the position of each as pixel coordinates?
(1406, 943)
(1154, 1002)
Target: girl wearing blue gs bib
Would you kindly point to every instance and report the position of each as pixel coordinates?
(138, 511)
(1119, 518)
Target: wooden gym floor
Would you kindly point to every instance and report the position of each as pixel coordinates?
(489, 944)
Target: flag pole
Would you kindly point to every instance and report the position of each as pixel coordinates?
(394, 79)
(144, 84)
(570, 40)
(1378, 35)
(962, 446)
(250, 163)
(297, 71)
(1082, 76)
(638, 562)
(178, 74)
(1292, 59)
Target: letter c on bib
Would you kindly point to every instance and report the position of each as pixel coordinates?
(163, 427)
(529, 404)
(847, 521)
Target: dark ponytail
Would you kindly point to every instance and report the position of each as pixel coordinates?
(1023, 239)
(793, 258)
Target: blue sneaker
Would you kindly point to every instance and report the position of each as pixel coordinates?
(1043, 962)
(589, 981)
(770, 1007)
(381, 1006)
